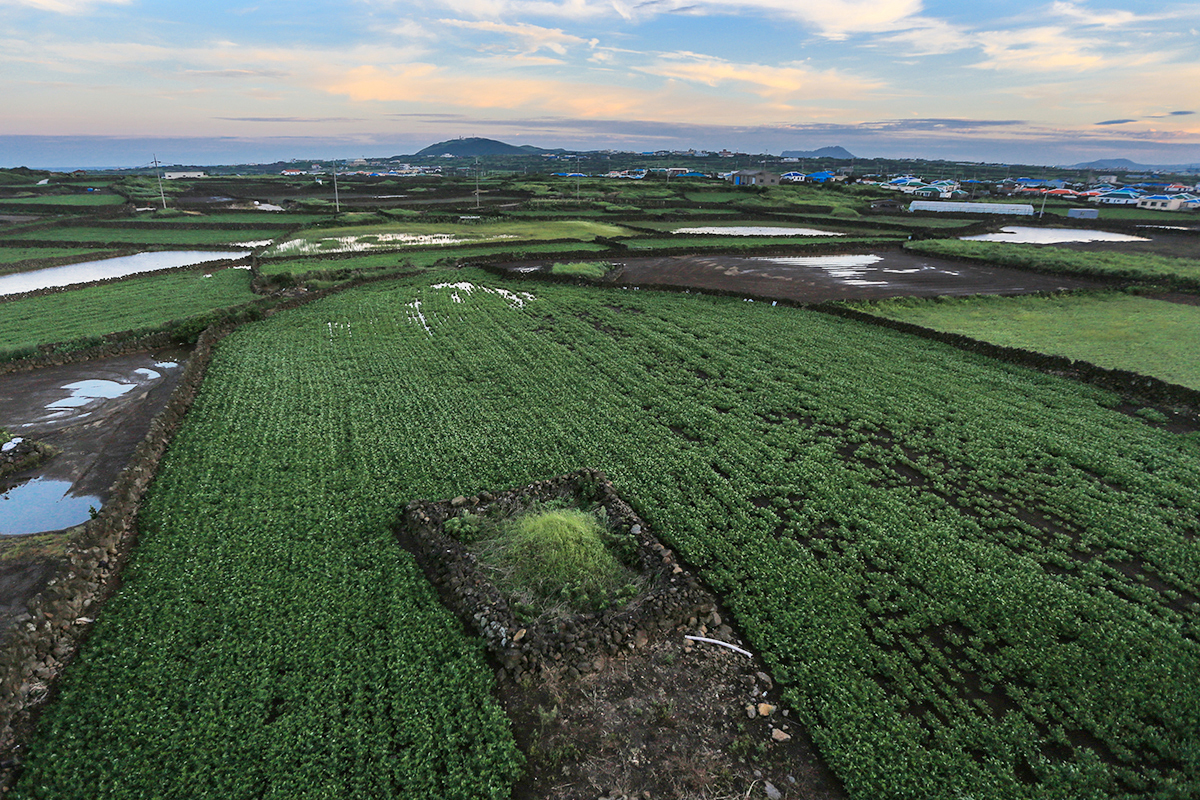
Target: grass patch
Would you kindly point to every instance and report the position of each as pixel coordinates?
(1046, 258)
(586, 269)
(72, 200)
(1115, 331)
(552, 561)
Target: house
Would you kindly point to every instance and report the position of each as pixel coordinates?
(754, 177)
(1118, 197)
(1167, 202)
(792, 177)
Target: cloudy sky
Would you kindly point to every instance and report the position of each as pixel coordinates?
(113, 82)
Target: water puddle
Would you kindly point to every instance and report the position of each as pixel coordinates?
(1020, 234)
(43, 505)
(850, 269)
(84, 392)
(756, 230)
(108, 268)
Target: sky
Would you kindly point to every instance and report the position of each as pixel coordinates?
(120, 82)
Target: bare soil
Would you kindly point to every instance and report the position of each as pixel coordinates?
(96, 441)
(897, 274)
(671, 719)
(1174, 244)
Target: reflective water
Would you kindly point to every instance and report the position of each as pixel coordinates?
(756, 230)
(43, 505)
(84, 392)
(851, 269)
(1023, 235)
(108, 268)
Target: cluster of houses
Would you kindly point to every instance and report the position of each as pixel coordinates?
(1158, 197)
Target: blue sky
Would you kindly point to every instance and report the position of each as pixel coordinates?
(110, 82)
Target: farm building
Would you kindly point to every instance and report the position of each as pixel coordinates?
(1083, 213)
(753, 177)
(172, 176)
(1013, 209)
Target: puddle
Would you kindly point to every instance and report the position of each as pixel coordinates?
(43, 505)
(84, 392)
(108, 268)
(1022, 235)
(759, 230)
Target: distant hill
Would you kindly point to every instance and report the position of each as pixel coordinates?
(476, 146)
(825, 152)
(1126, 164)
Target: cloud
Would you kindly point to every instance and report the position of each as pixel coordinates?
(1044, 49)
(1115, 121)
(834, 19)
(1181, 113)
(532, 38)
(289, 119)
(763, 80)
(236, 73)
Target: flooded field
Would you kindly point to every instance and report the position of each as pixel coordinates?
(108, 268)
(95, 414)
(756, 230)
(1020, 234)
(851, 276)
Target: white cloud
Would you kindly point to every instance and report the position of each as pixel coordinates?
(1045, 49)
(531, 38)
(774, 82)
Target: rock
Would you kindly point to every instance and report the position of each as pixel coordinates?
(714, 619)
(765, 709)
(458, 501)
(640, 638)
(764, 677)
(750, 712)
(519, 635)
(772, 792)
(780, 736)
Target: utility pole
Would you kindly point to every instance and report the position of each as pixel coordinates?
(476, 183)
(337, 203)
(161, 193)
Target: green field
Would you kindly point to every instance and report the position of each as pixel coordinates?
(88, 199)
(448, 234)
(125, 235)
(971, 579)
(1135, 266)
(131, 304)
(14, 255)
(1115, 331)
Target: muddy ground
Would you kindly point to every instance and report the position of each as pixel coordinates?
(896, 274)
(95, 438)
(673, 719)
(1173, 244)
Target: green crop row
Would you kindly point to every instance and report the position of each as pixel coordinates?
(1115, 331)
(971, 579)
(1133, 266)
(132, 304)
(183, 238)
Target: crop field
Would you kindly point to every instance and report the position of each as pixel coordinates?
(1115, 331)
(395, 235)
(14, 255)
(145, 236)
(971, 579)
(132, 304)
(1136, 266)
(89, 199)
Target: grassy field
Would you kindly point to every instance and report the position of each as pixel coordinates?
(113, 235)
(970, 579)
(1134, 266)
(1115, 331)
(132, 304)
(73, 200)
(13, 255)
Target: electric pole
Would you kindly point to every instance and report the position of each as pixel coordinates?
(161, 193)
